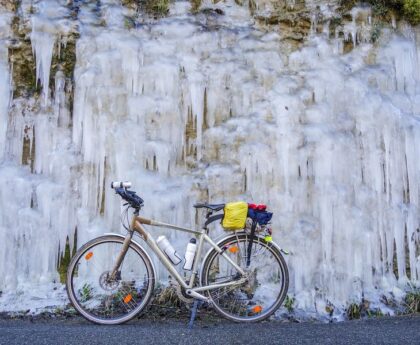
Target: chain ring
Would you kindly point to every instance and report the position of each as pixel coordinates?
(182, 295)
(180, 292)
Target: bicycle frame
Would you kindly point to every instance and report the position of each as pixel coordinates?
(137, 226)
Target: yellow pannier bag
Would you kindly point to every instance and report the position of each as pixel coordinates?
(235, 215)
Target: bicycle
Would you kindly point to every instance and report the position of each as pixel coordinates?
(111, 278)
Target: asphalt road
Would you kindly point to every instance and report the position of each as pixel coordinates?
(74, 330)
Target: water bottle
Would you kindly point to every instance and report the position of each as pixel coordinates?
(166, 247)
(190, 254)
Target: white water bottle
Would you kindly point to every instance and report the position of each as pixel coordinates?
(166, 247)
(190, 254)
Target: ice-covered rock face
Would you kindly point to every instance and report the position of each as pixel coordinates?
(213, 107)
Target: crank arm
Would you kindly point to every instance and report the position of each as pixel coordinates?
(196, 295)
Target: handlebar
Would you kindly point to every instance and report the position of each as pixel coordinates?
(128, 195)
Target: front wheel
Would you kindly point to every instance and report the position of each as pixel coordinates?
(101, 298)
(267, 279)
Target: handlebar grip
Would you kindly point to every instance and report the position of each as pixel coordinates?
(120, 184)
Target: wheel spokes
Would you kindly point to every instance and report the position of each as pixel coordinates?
(109, 299)
(261, 291)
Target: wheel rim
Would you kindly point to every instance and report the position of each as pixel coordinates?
(99, 297)
(265, 288)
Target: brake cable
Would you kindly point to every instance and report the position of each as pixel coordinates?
(126, 216)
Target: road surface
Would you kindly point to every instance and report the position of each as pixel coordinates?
(75, 330)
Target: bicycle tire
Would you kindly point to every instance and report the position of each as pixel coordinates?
(73, 271)
(274, 250)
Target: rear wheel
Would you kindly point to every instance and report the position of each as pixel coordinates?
(100, 298)
(265, 289)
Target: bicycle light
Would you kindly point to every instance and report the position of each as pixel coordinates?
(120, 184)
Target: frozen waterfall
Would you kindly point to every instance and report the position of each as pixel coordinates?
(211, 107)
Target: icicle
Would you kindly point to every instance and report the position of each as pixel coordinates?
(42, 47)
(314, 23)
(60, 101)
(4, 85)
(393, 21)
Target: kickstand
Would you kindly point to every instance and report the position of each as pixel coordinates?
(197, 303)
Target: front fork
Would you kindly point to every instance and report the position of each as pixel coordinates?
(121, 256)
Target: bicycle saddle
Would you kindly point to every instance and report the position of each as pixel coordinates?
(213, 207)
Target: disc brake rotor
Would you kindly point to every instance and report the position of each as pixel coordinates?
(106, 283)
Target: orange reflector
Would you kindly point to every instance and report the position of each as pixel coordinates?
(88, 255)
(257, 309)
(234, 249)
(128, 298)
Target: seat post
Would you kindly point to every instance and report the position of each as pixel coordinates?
(208, 214)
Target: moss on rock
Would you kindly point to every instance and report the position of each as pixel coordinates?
(412, 11)
(65, 257)
(383, 9)
(22, 61)
(65, 59)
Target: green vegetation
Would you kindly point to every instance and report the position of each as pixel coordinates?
(375, 313)
(407, 9)
(329, 308)
(382, 12)
(376, 31)
(195, 5)
(412, 11)
(154, 8)
(85, 292)
(412, 302)
(362, 309)
(157, 8)
(64, 258)
(289, 303)
(354, 311)
(381, 8)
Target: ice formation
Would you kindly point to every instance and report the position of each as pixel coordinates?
(4, 80)
(214, 108)
(48, 23)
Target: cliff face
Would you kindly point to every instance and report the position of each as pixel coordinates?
(311, 107)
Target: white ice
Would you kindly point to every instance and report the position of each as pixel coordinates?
(49, 23)
(329, 141)
(5, 19)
